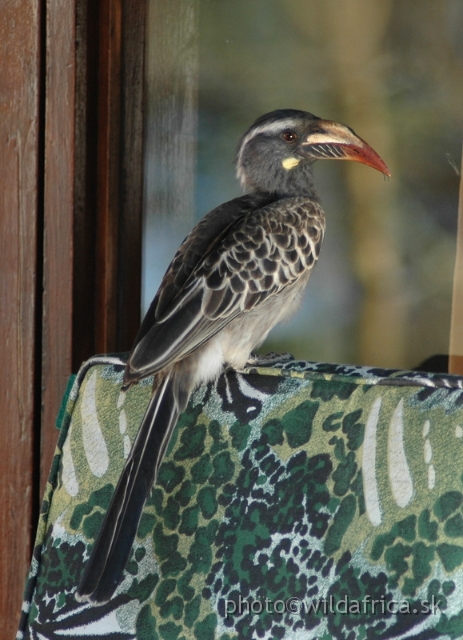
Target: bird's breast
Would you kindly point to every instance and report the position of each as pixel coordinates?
(249, 330)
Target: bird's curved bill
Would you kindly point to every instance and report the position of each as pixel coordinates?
(335, 141)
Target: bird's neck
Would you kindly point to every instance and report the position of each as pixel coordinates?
(286, 183)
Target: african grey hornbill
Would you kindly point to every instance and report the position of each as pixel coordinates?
(241, 270)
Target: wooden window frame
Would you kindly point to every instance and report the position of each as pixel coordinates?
(71, 139)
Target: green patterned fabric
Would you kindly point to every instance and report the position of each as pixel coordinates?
(296, 500)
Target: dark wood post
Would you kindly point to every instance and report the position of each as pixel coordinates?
(20, 206)
(71, 97)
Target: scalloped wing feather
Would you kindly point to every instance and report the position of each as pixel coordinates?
(255, 257)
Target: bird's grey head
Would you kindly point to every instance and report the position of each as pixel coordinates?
(277, 152)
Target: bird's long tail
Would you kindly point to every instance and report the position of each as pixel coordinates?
(112, 547)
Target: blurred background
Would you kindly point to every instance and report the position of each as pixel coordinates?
(393, 71)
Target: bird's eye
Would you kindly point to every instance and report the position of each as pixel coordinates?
(289, 136)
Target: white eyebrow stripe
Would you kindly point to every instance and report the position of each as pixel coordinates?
(271, 128)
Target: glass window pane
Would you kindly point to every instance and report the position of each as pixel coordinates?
(381, 293)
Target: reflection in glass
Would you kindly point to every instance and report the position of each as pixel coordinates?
(381, 293)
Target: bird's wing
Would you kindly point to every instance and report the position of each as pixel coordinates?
(199, 243)
(257, 256)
